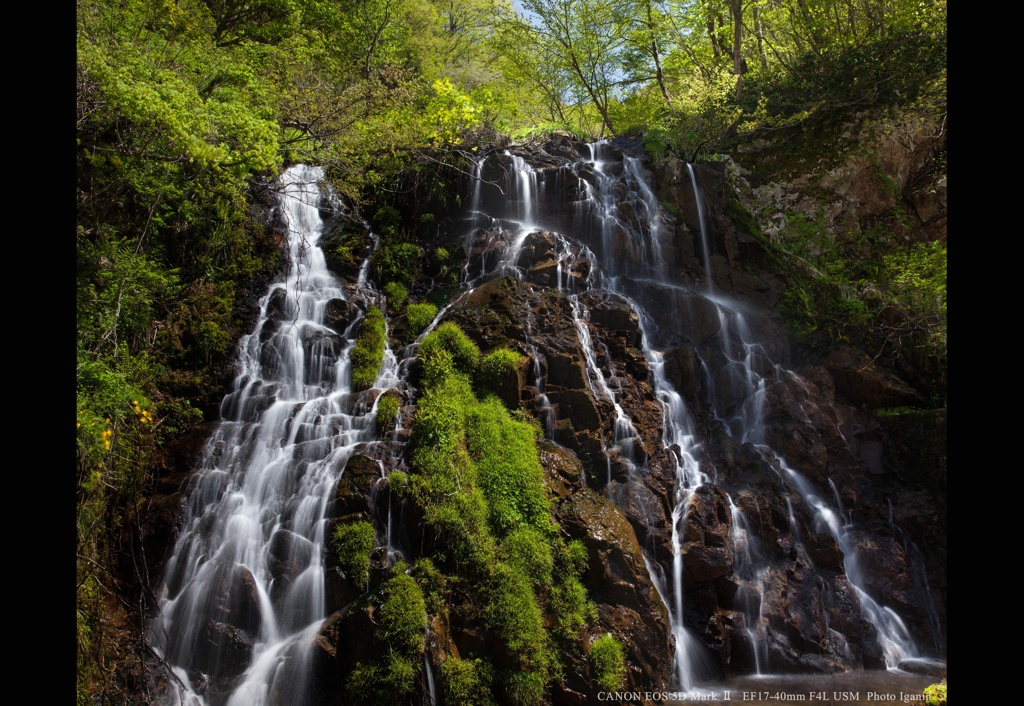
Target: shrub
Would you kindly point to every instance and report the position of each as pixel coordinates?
(466, 681)
(387, 219)
(352, 546)
(368, 352)
(607, 661)
(396, 293)
(510, 473)
(448, 336)
(395, 263)
(388, 405)
(498, 365)
(403, 614)
(419, 317)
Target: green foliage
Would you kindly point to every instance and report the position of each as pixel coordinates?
(526, 688)
(510, 474)
(396, 293)
(403, 614)
(529, 550)
(390, 681)
(513, 612)
(880, 72)
(389, 677)
(918, 276)
(936, 694)
(438, 365)
(387, 219)
(572, 559)
(867, 287)
(571, 608)
(450, 338)
(396, 263)
(569, 603)
(368, 352)
(475, 476)
(608, 663)
(450, 113)
(388, 405)
(352, 544)
(398, 482)
(467, 681)
(433, 583)
(498, 365)
(419, 317)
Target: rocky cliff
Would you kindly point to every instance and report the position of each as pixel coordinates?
(742, 506)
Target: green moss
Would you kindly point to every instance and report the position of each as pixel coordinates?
(368, 352)
(608, 663)
(396, 293)
(510, 473)
(572, 559)
(739, 215)
(449, 337)
(498, 365)
(936, 694)
(388, 405)
(398, 482)
(389, 681)
(352, 545)
(571, 608)
(433, 583)
(403, 614)
(467, 681)
(477, 480)
(525, 688)
(396, 262)
(529, 550)
(513, 612)
(419, 317)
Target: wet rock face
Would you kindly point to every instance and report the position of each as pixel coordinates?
(767, 585)
(799, 593)
(618, 582)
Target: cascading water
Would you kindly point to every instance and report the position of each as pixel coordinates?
(617, 224)
(242, 596)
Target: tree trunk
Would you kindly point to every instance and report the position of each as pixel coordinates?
(736, 10)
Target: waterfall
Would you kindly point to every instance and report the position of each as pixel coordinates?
(617, 224)
(242, 596)
(705, 247)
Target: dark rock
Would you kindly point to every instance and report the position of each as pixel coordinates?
(867, 384)
(339, 315)
(618, 581)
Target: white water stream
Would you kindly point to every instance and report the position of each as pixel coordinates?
(618, 215)
(243, 592)
(242, 597)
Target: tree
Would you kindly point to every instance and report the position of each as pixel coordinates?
(586, 38)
